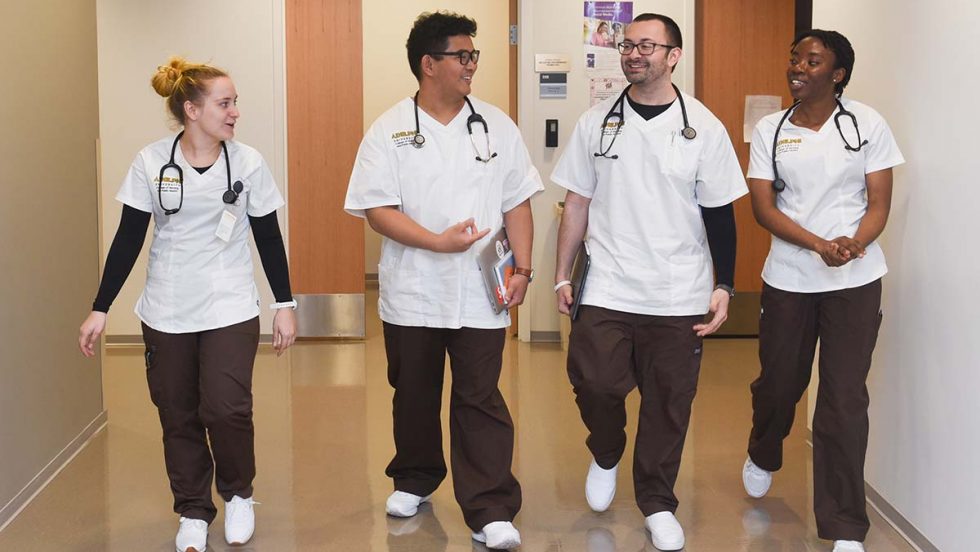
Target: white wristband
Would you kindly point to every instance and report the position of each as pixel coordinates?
(283, 305)
(562, 284)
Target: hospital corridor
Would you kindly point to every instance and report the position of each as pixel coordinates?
(323, 438)
(675, 275)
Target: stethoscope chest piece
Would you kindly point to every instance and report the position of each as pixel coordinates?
(779, 184)
(688, 132)
(231, 195)
(418, 141)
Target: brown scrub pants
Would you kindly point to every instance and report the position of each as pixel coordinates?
(481, 433)
(201, 384)
(846, 322)
(609, 354)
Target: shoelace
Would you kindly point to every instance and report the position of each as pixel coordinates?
(235, 505)
(192, 521)
(756, 470)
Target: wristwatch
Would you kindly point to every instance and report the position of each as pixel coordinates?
(528, 272)
(728, 289)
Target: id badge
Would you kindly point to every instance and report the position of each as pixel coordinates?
(225, 226)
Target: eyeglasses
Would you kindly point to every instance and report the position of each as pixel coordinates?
(464, 56)
(645, 48)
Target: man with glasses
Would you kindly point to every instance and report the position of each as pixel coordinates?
(652, 175)
(438, 175)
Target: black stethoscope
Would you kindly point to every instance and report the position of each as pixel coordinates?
(618, 111)
(230, 196)
(475, 118)
(778, 184)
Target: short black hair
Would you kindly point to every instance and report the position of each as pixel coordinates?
(836, 43)
(431, 33)
(673, 31)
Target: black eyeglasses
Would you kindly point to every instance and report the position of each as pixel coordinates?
(464, 56)
(645, 48)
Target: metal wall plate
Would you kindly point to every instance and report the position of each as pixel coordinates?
(743, 315)
(330, 315)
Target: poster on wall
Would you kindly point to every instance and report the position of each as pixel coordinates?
(601, 88)
(602, 29)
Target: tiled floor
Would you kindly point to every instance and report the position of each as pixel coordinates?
(322, 415)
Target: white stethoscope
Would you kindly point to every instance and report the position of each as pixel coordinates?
(778, 184)
(475, 118)
(618, 111)
(230, 196)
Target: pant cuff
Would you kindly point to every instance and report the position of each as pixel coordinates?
(477, 522)
(842, 532)
(198, 513)
(244, 493)
(774, 467)
(417, 488)
(651, 508)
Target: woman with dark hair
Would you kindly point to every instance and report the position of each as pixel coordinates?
(820, 177)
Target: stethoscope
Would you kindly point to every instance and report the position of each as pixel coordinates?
(475, 118)
(618, 111)
(778, 184)
(230, 196)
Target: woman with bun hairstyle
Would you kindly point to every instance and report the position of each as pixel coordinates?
(200, 307)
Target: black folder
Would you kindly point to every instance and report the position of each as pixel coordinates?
(580, 272)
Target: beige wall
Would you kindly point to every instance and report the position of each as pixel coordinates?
(243, 37)
(49, 393)
(387, 78)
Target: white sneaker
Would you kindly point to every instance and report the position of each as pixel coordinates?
(239, 520)
(192, 536)
(665, 532)
(402, 504)
(848, 546)
(600, 487)
(755, 479)
(499, 535)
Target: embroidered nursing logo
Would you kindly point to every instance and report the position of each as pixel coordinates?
(402, 138)
(788, 145)
(612, 127)
(170, 184)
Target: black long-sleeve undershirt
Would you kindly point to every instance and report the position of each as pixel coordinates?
(128, 242)
(123, 252)
(272, 252)
(719, 226)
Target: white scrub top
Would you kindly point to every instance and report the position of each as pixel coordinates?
(825, 194)
(646, 235)
(195, 280)
(438, 186)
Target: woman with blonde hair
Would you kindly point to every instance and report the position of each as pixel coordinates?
(199, 308)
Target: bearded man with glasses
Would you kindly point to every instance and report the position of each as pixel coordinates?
(657, 203)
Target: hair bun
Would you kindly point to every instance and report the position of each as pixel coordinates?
(164, 81)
